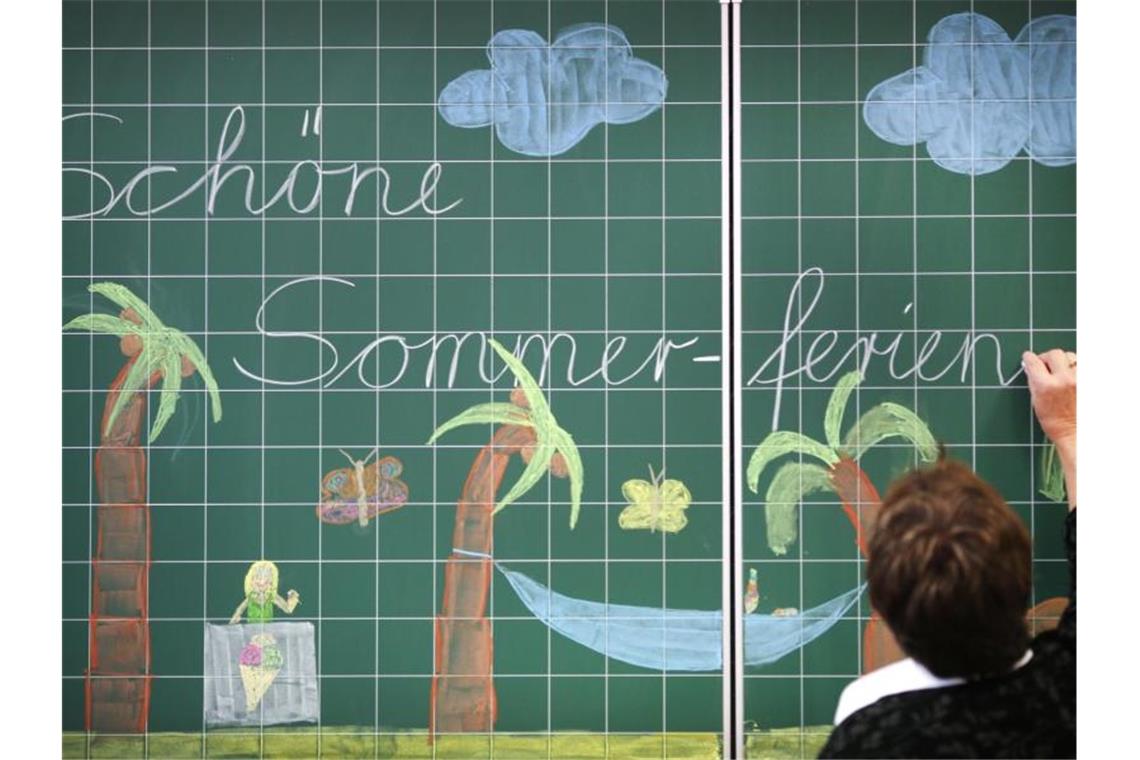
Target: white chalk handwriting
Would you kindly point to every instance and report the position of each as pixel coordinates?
(302, 188)
(906, 353)
(803, 298)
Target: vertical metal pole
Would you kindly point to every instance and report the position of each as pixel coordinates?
(733, 641)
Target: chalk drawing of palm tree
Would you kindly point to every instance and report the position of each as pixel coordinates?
(462, 694)
(835, 467)
(118, 680)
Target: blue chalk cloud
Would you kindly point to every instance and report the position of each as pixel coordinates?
(979, 98)
(544, 98)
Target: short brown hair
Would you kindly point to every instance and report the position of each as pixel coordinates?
(948, 569)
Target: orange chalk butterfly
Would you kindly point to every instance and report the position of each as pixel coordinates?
(362, 491)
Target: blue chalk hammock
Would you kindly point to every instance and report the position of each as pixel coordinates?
(665, 639)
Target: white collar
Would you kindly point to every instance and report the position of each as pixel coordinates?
(904, 675)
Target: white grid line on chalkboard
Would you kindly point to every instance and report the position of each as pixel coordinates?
(149, 252)
(264, 267)
(606, 396)
(858, 390)
(376, 547)
(461, 331)
(800, 342)
(664, 384)
(973, 265)
(332, 447)
(419, 161)
(422, 48)
(599, 676)
(428, 503)
(205, 470)
(94, 428)
(914, 202)
(1031, 417)
(549, 380)
(490, 391)
(348, 161)
(426, 105)
(915, 304)
(521, 560)
(480, 48)
(320, 381)
(681, 217)
(355, 104)
(559, 275)
(436, 611)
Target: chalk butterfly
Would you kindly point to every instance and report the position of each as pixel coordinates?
(362, 491)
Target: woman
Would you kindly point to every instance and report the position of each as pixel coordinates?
(261, 595)
(949, 570)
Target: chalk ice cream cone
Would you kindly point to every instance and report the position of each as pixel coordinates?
(259, 663)
(256, 679)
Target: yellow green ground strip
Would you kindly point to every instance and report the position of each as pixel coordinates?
(348, 742)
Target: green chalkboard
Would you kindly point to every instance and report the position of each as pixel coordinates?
(277, 180)
(341, 203)
(928, 270)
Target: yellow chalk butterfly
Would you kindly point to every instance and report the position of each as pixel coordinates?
(656, 504)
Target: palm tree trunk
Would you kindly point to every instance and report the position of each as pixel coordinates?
(861, 504)
(1046, 615)
(118, 679)
(462, 691)
(859, 497)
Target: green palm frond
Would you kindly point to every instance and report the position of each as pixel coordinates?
(104, 324)
(565, 446)
(539, 410)
(796, 479)
(1052, 475)
(162, 351)
(890, 420)
(125, 299)
(495, 413)
(535, 469)
(837, 406)
(789, 486)
(137, 379)
(549, 438)
(168, 396)
(188, 348)
(781, 442)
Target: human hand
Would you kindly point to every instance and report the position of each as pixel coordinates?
(1052, 380)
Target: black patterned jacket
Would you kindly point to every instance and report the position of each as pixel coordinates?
(1028, 713)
